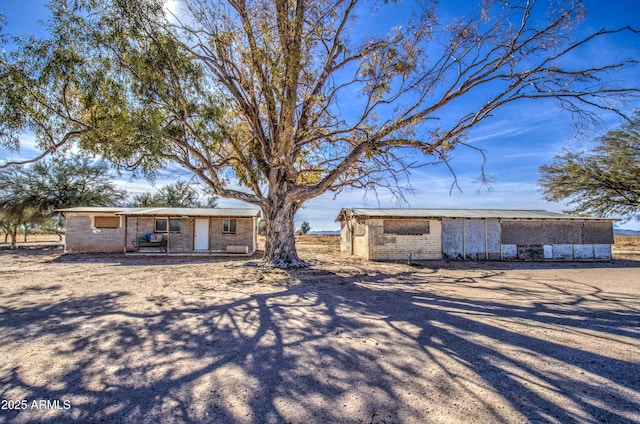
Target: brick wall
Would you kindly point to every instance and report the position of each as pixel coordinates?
(385, 246)
(244, 235)
(182, 241)
(82, 236)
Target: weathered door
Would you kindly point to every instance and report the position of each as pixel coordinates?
(201, 236)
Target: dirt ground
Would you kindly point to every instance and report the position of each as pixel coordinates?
(113, 338)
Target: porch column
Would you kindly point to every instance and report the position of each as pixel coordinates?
(168, 234)
(125, 233)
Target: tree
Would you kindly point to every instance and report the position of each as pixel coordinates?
(276, 102)
(31, 194)
(46, 90)
(305, 227)
(603, 182)
(176, 195)
(11, 221)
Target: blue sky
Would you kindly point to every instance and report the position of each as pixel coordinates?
(517, 140)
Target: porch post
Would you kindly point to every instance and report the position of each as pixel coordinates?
(125, 233)
(255, 234)
(209, 235)
(168, 234)
(193, 234)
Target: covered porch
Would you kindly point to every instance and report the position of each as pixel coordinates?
(187, 231)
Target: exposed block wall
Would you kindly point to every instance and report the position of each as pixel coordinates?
(82, 236)
(242, 237)
(583, 251)
(562, 252)
(509, 251)
(602, 251)
(385, 246)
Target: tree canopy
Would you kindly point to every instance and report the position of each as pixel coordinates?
(604, 181)
(60, 182)
(45, 87)
(180, 194)
(276, 102)
(30, 194)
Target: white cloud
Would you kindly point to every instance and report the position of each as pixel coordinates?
(171, 7)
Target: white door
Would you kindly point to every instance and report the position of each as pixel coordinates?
(201, 237)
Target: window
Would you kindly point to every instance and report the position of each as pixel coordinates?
(106, 222)
(161, 225)
(229, 226)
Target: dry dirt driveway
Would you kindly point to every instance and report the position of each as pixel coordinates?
(108, 338)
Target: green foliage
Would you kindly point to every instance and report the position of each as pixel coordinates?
(31, 194)
(604, 181)
(262, 226)
(61, 182)
(176, 195)
(45, 85)
(305, 227)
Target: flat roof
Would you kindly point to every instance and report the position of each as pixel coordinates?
(460, 213)
(241, 212)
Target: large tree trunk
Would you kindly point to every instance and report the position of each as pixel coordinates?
(280, 248)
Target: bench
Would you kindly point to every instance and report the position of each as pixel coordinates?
(238, 249)
(161, 244)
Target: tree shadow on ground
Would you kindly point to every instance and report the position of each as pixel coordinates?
(321, 347)
(532, 265)
(150, 259)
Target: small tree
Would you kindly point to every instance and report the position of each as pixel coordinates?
(305, 227)
(177, 195)
(10, 223)
(605, 181)
(262, 226)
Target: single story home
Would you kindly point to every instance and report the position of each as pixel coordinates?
(161, 230)
(473, 234)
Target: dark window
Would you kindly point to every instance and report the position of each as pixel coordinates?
(229, 226)
(531, 251)
(406, 227)
(161, 225)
